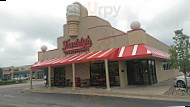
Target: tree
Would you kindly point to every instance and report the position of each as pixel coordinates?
(179, 53)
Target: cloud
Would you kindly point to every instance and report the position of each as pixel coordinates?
(26, 25)
(163, 27)
(22, 37)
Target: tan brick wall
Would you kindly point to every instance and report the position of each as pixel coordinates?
(69, 72)
(164, 74)
(49, 54)
(96, 33)
(82, 70)
(104, 32)
(137, 37)
(151, 41)
(98, 29)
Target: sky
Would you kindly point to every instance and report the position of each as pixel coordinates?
(26, 25)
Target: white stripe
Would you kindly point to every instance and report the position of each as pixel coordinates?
(76, 57)
(148, 52)
(67, 58)
(61, 59)
(121, 52)
(105, 53)
(51, 61)
(94, 54)
(84, 56)
(58, 60)
(135, 50)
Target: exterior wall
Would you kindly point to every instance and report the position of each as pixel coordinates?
(123, 75)
(137, 37)
(164, 74)
(69, 72)
(106, 37)
(103, 44)
(96, 28)
(82, 70)
(102, 34)
(49, 55)
(151, 41)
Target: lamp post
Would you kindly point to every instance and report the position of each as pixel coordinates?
(43, 48)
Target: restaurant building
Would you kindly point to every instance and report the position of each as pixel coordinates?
(93, 51)
(21, 72)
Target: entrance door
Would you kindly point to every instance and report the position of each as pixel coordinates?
(140, 73)
(134, 73)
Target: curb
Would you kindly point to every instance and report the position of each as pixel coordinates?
(121, 95)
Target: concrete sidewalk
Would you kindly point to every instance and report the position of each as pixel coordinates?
(35, 82)
(140, 92)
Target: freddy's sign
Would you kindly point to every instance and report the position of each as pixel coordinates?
(80, 45)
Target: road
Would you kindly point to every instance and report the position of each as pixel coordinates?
(16, 97)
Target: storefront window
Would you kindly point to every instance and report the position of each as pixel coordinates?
(114, 73)
(166, 65)
(97, 70)
(59, 73)
(97, 73)
(59, 76)
(40, 75)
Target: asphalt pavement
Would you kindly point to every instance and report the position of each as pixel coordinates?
(14, 96)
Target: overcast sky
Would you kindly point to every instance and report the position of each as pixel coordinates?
(26, 25)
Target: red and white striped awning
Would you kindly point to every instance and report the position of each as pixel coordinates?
(126, 52)
(90, 56)
(137, 51)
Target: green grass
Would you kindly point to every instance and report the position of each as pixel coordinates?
(12, 82)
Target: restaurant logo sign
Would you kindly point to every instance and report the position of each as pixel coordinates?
(78, 46)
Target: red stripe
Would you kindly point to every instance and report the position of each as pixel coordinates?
(141, 50)
(128, 51)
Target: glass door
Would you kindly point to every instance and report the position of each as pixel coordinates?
(145, 72)
(152, 71)
(138, 79)
(141, 72)
(134, 73)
